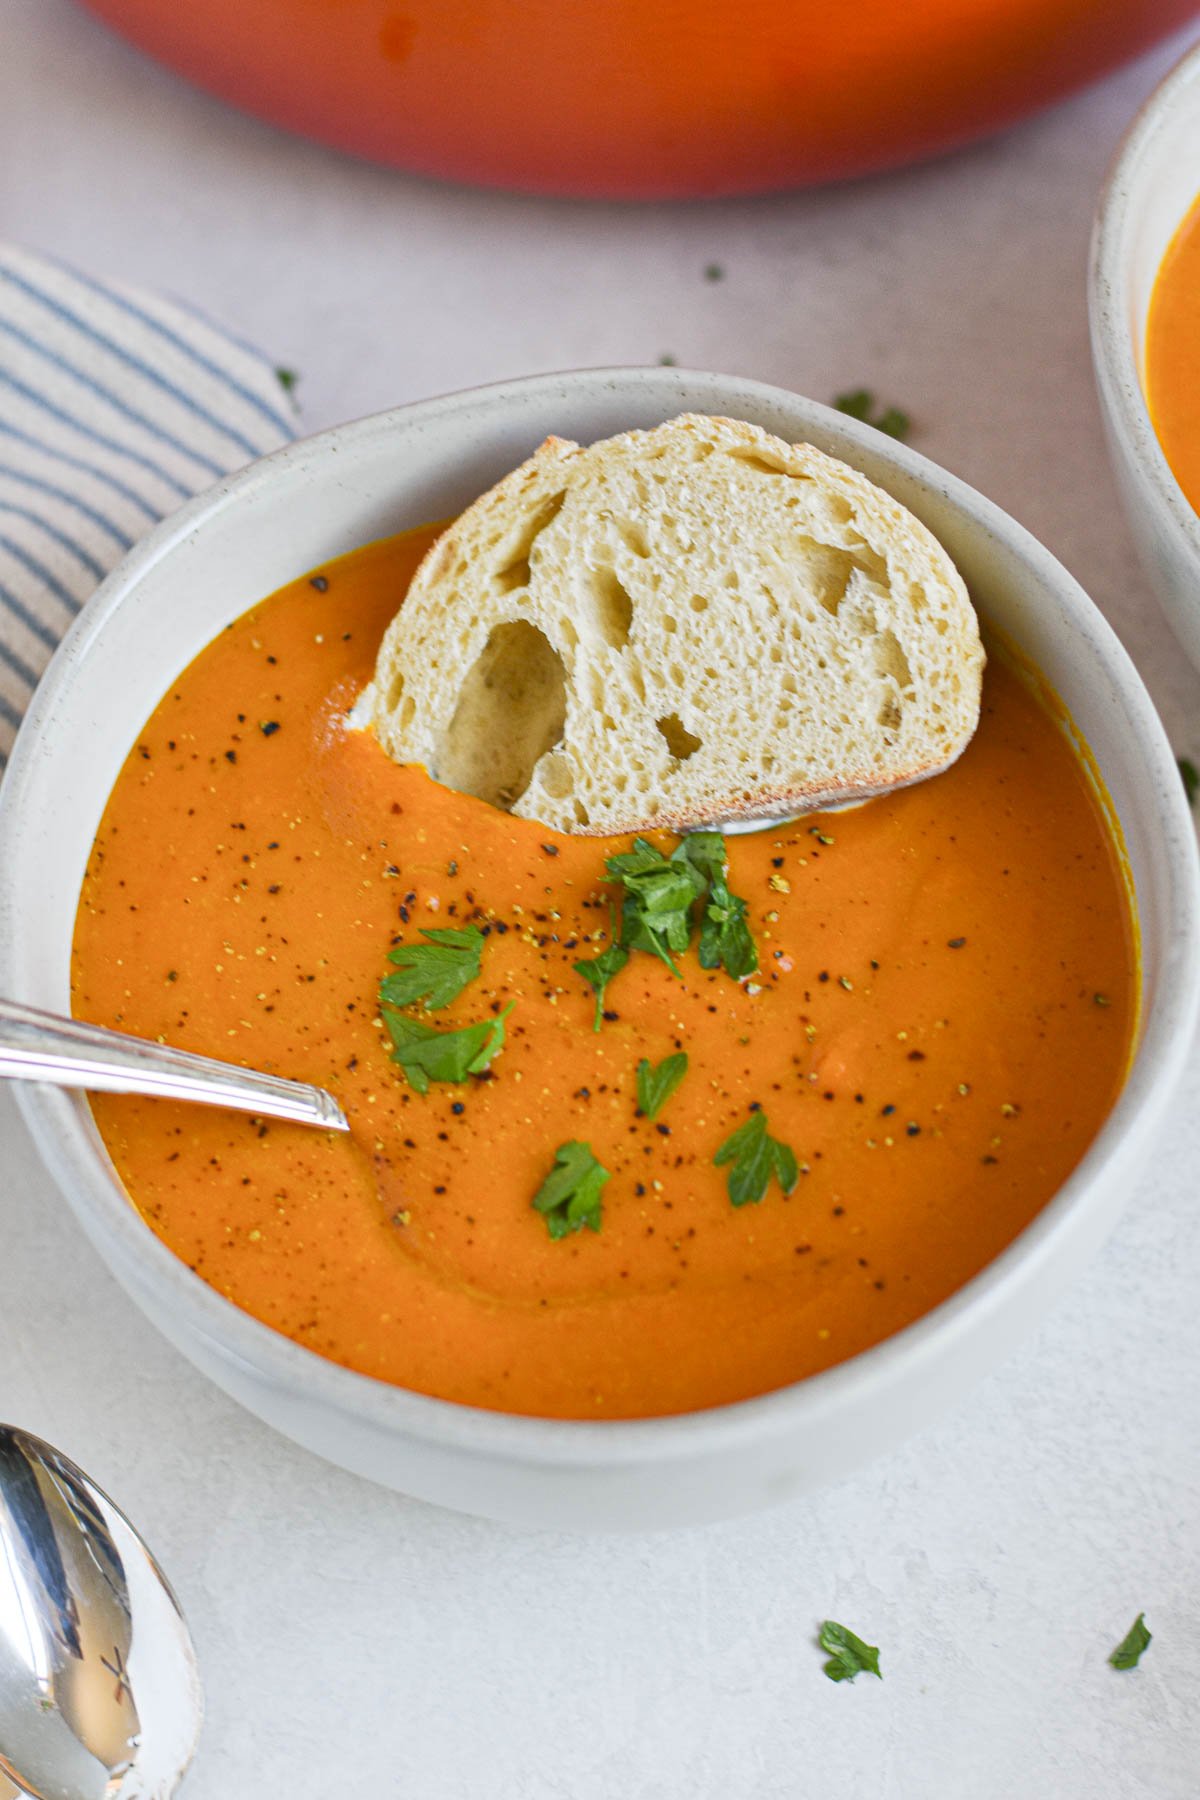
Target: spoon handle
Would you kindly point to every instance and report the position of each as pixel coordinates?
(40, 1046)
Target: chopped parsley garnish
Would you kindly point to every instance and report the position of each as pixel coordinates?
(569, 1198)
(848, 1655)
(860, 404)
(435, 972)
(725, 938)
(1129, 1650)
(287, 379)
(659, 906)
(656, 1082)
(656, 914)
(705, 850)
(426, 1054)
(1191, 778)
(754, 1156)
(598, 971)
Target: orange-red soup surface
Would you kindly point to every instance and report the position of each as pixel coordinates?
(1172, 372)
(941, 1022)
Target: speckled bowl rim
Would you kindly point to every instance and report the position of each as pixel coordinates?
(1115, 354)
(56, 1119)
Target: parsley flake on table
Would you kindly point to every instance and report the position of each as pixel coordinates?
(435, 972)
(1190, 775)
(569, 1198)
(426, 1054)
(848, 1655)
(1128, 1652)
(859, 403)
(754, 1156)
(656, 1082)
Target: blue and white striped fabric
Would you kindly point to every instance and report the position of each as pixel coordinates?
(115, 407)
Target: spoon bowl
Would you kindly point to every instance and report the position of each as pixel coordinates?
(99, 1693)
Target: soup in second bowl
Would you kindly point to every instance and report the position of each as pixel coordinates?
(1172, 356)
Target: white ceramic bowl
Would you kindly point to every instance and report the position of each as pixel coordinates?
(319, 498)
(1150, 187)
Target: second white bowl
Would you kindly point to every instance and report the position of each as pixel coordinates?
(1151, 186)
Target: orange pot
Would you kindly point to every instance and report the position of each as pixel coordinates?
(643, 99)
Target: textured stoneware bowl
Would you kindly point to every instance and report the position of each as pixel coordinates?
(1151, 186)
(319, 498)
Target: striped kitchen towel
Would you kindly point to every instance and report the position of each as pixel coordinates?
(115, 407)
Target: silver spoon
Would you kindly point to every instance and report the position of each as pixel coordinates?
(99, 1694)
(41, 1046)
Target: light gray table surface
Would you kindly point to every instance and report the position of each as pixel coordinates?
(356, 1642)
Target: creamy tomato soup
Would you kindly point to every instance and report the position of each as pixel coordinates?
(1172, 372)
(939, 1024)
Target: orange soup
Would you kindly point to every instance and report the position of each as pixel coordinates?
(940, 1021)
(1173, 356)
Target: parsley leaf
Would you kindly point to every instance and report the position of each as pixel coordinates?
(287, 379)
(860, 404)
(725, 937)
(569, 1198)
(848, 1655)
(657, 1082)
(755, 1157)
(1129, 1650)
(599, 970)
(658, 905)
(656, 914)
(705, 850)
(426, 1054)
(1191, 778)
(436, 971)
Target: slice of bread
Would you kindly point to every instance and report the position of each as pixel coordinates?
(698, 624)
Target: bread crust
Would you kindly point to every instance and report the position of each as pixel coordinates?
(697, 624)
